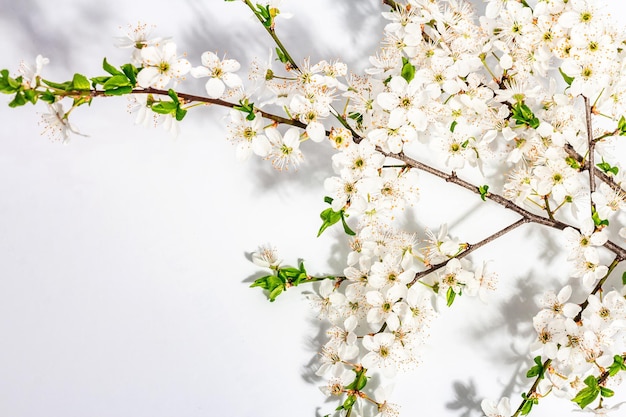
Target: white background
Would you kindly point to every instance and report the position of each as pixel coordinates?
(124, 257)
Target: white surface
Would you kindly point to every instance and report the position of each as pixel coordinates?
(123, 256)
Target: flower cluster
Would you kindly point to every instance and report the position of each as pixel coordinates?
(532, 92)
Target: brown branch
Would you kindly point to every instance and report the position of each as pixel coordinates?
(584, 164)
(591, 151)
(469, 249)
(190, 98)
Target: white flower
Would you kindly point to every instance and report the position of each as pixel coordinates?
(56, 123)
(557, 305)
(266, 257)
(585, 240)
(285, 149)
(550, 334)
(220, 73)
(382, 352)
(138, 37)
(499, 409)
(31, 75)
(160, 66)
(248, 134)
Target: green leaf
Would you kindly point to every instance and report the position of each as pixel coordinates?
(18, 100)
(483, 191)
(566, 77)
(453, 125)
(59, 86)
(621, 126)
(607, 168)
(348, 403)
(536, 370)
(80, 82)
(523, 115)
(624, 278)
(110, 68)
(165, 107)
(328, 200)
(528, 403)
(450, 296)
(95, 81)
(606, 392)
(116, 81)
(572, 162)
(281, 56)
(272, 283)
(131, 73)
(31, 96)
(48, 97)
(346, 228)
(180, 113)
(329, 217)
(9, 85)
(597, 220)
(587, 395)
(618, 360)
(119, 91)
(408, 70)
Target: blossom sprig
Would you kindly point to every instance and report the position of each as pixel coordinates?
(447, 95)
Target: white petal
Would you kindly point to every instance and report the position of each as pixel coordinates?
(210, 60)
(232, 80)
(199, 72)
(261, 146)
(316, 131)
(215, 88)
(148, 76)
(230, 65)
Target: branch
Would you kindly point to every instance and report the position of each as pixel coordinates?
(591, 144)
(618, 250)
(469, 249)
(189, 98)
(596, 171)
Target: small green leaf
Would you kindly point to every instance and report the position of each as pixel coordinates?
(453, 125)
(48, 97)
(131, 73)
(624, 278)
(59, 86)
(567, 78)
(281, 56)
(116, 81)
(328, 200)
(180, 113)
(572, 162)
(587, 395)
(607, 168)
(408, 70)
(9, 85)
(346, 228)
(621, 126)
(606, 392)
(329, 217)
(80, 82)
(618, 361)
(165, 107)
(450, 296)
(597, 220)
(536, 370)
(483, 189)
(119, 91)
(110, 68)
(348, 403)
(18, 100)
